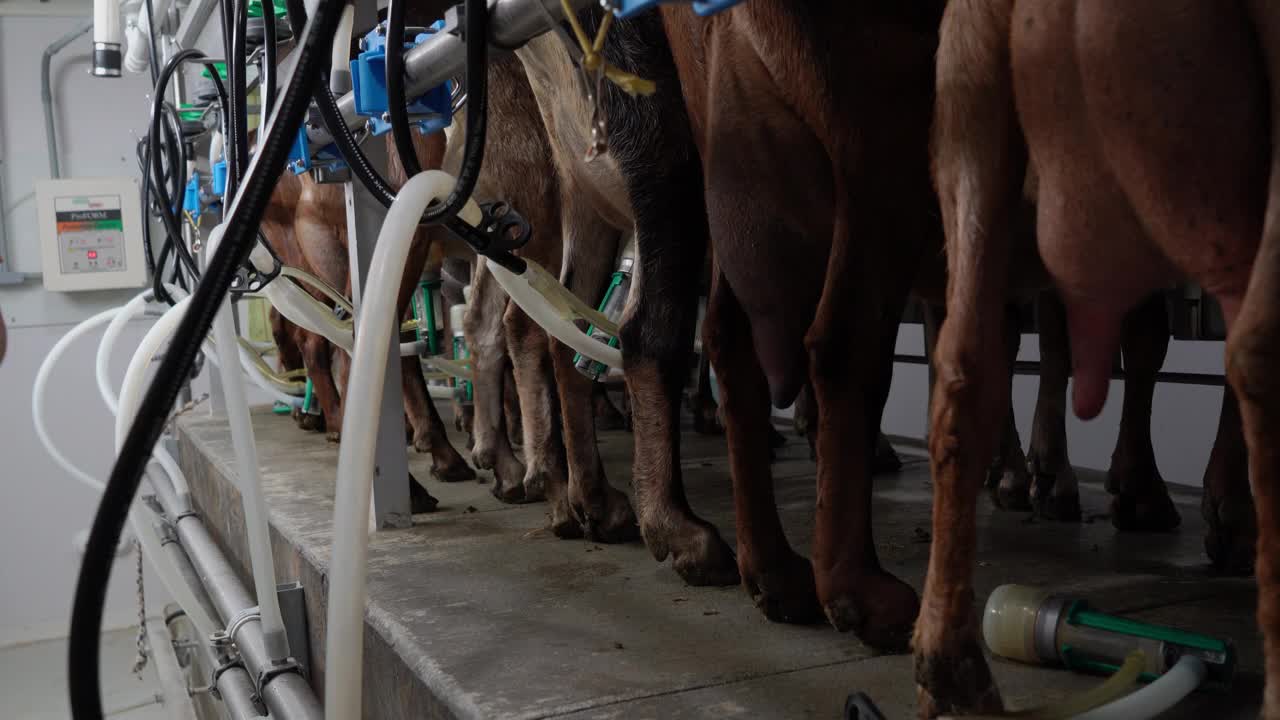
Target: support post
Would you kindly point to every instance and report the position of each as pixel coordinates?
(391, 507)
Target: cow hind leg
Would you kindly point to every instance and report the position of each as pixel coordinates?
(779, 581)
(1227, 505)
(1055, 492)
(1142, 501)
(1007, 478)
(546, 474)
(589, 251)
(487, 341)
(978, 169)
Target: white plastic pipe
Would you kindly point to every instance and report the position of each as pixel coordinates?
(1163, 693)
(340, 63)
(38, 390)
(299, 307)
(527, 290)
(102, 369)
(251, 497)
(252, 500)
(344, 651)
(107, 37)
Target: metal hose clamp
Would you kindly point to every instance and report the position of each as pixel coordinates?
(239, 619)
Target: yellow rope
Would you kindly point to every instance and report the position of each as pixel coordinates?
(593, 61)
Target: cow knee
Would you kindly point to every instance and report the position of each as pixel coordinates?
(1252, 358)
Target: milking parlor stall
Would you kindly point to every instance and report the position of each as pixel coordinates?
(599, 359)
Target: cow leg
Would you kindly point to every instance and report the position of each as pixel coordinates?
(706, 414)
(1142, 501)
(779, 581)
(1227, 504)
(511, 407)
(1055, 493)
(978, 169)
(544, 451)
(1253, 349)
(317, 354)
(428, 428)
(608, 417)
(1007, 477)
(487, 341)
(590, 247)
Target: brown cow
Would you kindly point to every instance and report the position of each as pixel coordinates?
(1147, 157)
(813, 275)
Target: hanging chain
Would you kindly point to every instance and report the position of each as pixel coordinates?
(140, 661)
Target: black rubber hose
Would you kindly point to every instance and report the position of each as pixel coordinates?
(475, 32)
(297, 14)
(167, 216)
(269, 54)
(473, 153)
(151, 39)
(241, 227)
(236, 73)
(396, 100)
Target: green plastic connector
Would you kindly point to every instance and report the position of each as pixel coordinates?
(614, 282)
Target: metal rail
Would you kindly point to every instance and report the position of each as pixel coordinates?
(1032, 367)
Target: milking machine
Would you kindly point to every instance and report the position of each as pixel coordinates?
(244, 631)
(1040, 627)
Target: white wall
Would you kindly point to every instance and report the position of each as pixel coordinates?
(1184, 417)
(98, 121)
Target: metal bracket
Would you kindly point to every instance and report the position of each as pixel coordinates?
(293, 609)
(249, 279)
(231, 662)
(268, 673)
(502, 229)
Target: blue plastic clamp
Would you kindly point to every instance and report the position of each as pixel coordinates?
(431, 112)
(191, 197)
(628, 8)
(218, 184)
(302, 159)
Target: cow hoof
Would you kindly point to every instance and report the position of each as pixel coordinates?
(309, 422)
(453, 470)
(879, 608)
(1011, 497)
(957, 683)
(333, 436)
(785, 592)
(511, 494)
(606, 518)
(420, 501)
(1061, 508)
(1231, 533)
(697, 552)
(535, 485)
(1152, 512)
(886, 458)
(563, 524)
(484, 456)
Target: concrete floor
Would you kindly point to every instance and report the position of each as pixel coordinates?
(33, 681)
(477, 612)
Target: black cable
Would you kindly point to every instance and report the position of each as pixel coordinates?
(475, 33)
(296, 11)
(241, 227)
(476, 25)
(396, 101)
(269, 40)
(151, 39)
(167, 213)
(238, 139)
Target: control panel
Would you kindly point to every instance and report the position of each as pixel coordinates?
(90, 234)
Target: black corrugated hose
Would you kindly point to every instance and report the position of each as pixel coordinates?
(396, 100)
(243, 218)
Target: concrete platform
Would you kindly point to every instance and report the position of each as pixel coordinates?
(477, 612)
